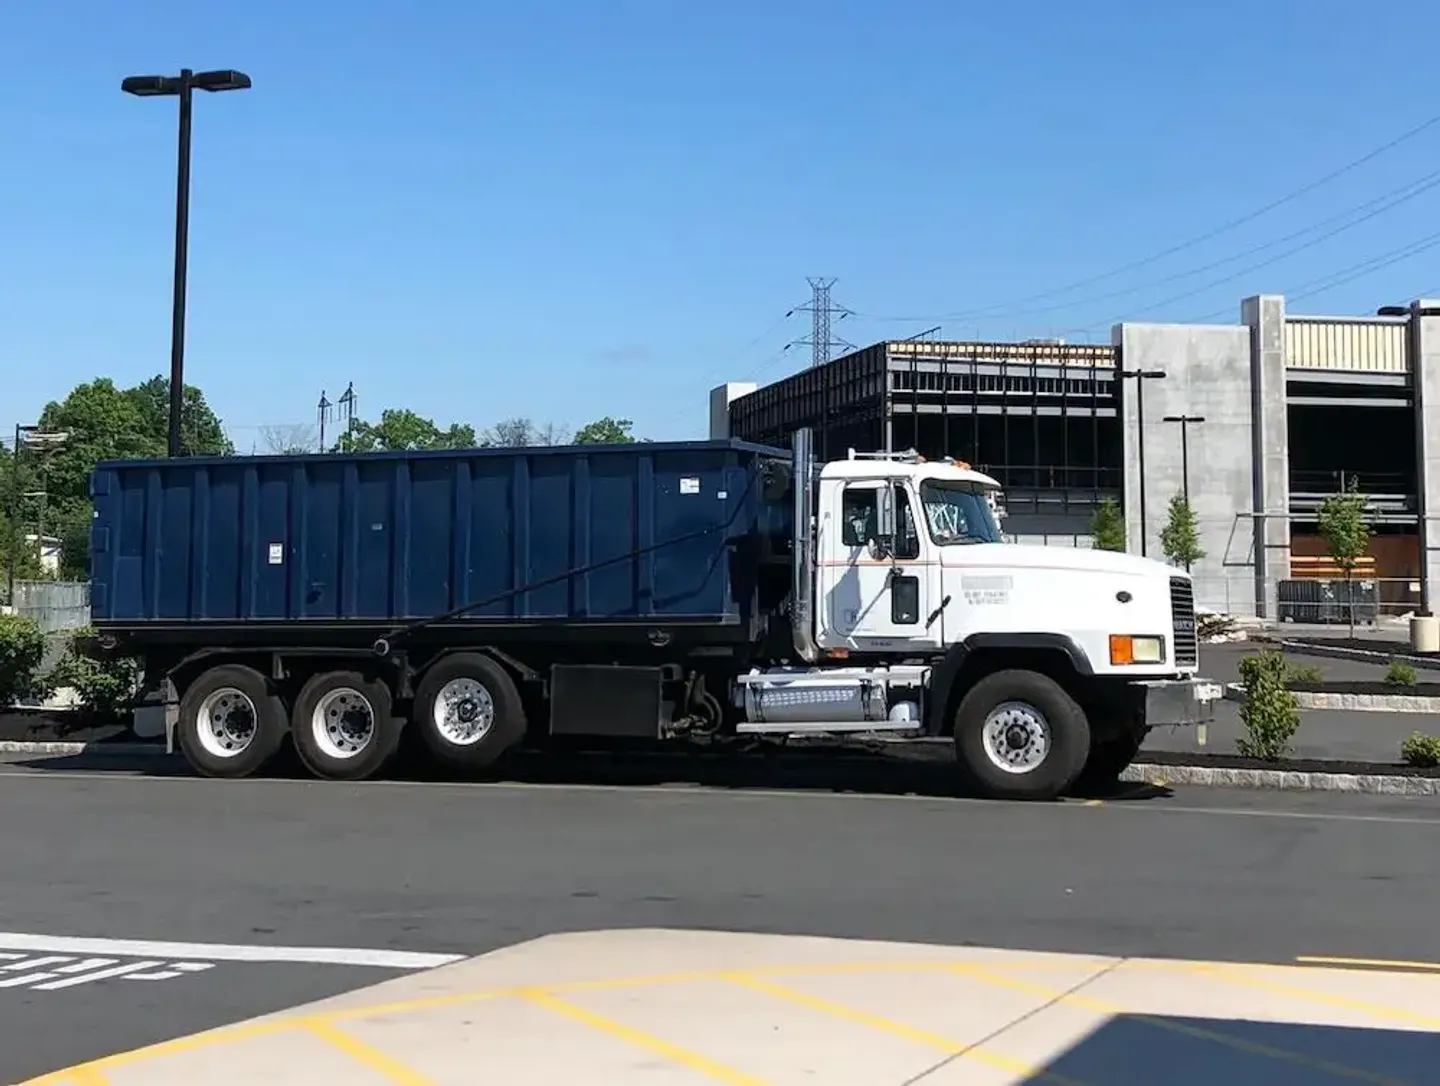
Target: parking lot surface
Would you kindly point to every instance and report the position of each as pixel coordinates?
(469, 869)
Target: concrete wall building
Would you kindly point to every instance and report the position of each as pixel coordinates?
(1293, 408)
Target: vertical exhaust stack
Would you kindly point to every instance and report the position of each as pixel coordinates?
(802, 565)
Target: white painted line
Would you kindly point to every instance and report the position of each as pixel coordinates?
(97, 975)
(224, 952)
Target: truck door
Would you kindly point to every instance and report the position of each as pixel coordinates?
(874, 570)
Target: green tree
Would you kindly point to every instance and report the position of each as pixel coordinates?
(606, 431)
(1180, 538)
(402, 430)
(201, 432)
(1347, 536)
(1107, 526)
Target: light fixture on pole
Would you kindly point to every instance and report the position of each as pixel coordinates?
(182, 87)
(1140, 377)
(1184, 422)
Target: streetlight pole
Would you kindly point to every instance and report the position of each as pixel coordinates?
(1140, 377)
(181, 86)
(1185, 422)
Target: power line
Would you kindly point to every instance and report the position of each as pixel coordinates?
(1340, 277)
(1251, 216)
(1267, 262)
(1389, 200)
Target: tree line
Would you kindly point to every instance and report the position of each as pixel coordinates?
(47, 487)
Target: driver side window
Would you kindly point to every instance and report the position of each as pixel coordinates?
(860, 520)
(860, 515)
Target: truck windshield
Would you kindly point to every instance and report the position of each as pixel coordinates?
(957, 514)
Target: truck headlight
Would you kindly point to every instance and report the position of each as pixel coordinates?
(1136, 649)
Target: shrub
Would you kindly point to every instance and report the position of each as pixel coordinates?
(1399, 673)
(1107, 526)
(1269, 714)
(1421, 750)
(1302, 673)
(105, 685)
(22, 649)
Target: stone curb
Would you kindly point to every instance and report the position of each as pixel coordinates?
(1372, 784)
(1352, 703)
(54, 747)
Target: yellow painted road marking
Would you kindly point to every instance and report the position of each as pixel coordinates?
(89, 1077)
(902, 1030)
(1371, 963)
(1056, 995)
(383, 1064)
(1244, 977)
(658, 1046)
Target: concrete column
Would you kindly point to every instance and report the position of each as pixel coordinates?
(1425, 379)
(1264, 314)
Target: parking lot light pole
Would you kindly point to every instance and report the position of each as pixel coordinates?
(1185, 422)
(181, 86)
(1140, 377)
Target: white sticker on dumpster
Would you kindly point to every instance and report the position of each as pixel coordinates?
(690, 484)
(277, 554)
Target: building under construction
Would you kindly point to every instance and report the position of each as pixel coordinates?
(1256, 421)
(1041, 417)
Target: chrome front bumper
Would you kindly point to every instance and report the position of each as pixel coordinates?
(1171, 702)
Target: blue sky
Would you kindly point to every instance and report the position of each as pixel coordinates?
(565, 209)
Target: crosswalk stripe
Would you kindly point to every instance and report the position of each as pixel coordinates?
(99, 974)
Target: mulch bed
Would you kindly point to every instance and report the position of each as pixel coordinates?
(1332, 686)
(1289, 765)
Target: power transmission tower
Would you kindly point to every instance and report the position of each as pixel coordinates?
(823, 344)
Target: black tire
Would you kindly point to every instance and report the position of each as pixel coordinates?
(230, 707)
(1050, 709)
(492, 696)
(1107, 761)
(371, 737)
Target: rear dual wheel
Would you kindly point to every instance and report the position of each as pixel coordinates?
(343, 726)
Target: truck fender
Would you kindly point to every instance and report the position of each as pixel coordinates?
(946, 673)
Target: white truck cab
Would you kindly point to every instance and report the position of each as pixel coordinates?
(910, 613)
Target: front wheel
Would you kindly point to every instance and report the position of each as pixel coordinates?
(1020, 735)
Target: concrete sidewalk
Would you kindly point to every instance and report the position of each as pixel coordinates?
(689, 1007)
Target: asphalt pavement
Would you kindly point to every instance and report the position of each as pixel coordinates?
(467, 868)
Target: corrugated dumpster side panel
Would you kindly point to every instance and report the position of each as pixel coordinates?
(389, 537)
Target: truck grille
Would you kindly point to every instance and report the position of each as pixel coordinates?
(1182, 610)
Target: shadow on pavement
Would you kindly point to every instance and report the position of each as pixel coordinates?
(885, 769)
(1139, 1050)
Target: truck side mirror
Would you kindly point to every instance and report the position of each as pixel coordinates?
(885, 521)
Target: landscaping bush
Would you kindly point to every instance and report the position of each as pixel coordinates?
(1302, 673)
(1421, 750)
(22, 649)
(1399, 673)
(105, 685)
(1270, 714)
